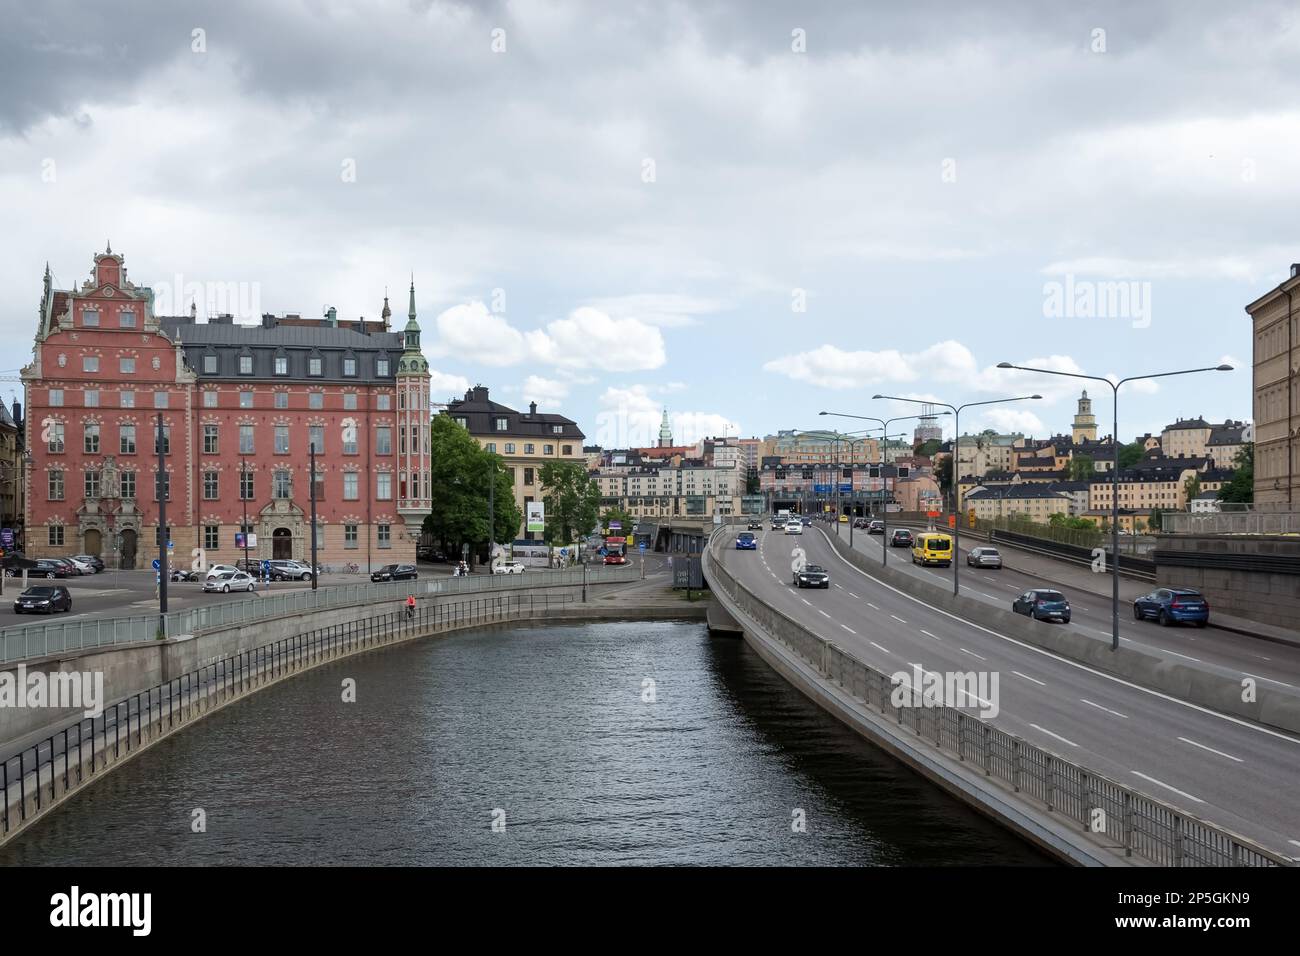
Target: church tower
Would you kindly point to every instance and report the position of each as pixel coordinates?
(665, 432)
(414, 494)
(1085, 423)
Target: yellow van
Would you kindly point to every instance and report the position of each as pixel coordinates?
(932, 549)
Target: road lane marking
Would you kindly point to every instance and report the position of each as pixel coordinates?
(1057, 736)
(1161, 783)
(1106, 709)
(1270, 680)
(849, 629)
(1027, 677)
(898, 619)
(806, 601)
(1211, 749)
(823, 613)
(972, 654)
(877, 646)
(1295, 842)
(928, 634)
(1176, 654)
(1081, 607)
(854, 596)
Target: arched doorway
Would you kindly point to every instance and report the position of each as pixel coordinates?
(281, 544)
(94, 542)
(127, 562)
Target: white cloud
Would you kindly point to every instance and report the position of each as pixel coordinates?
(666, 310)
(829, 366)
(546, 392)
(471, 333)
(441, 384)
(1012, 420)
(630, 416)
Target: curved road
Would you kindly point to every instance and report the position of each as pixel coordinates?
(1223, 769)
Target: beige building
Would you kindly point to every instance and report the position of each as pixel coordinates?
(978, 455)
(1276, 326)
(525, 440)
(662, 491)
(1137, 492)
(1225, 442)
(823, 447)
(1186, 438)
(1024, 501)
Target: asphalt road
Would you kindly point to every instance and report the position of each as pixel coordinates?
(1229, 771)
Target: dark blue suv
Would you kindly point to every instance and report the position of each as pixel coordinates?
(1173, 606)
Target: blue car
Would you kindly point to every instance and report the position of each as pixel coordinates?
(1043, 604)
(745, 541)
(1173, 606)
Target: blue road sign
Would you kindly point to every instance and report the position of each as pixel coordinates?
(564, 552)
(641, 546)
(156, 564)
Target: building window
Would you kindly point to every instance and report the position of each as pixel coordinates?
(281, 365)
(528, 476)
(401, 406)
(91, 398)
(210, 439)
(56, 484)
(383, 440)
(126, 484)
(282, 439)
(126, 366)
(401, 439)
(316, 437)
(281, 486)
(90, 363)
(350, 401)
(349, 536)
(529, 449)
(462, 422)
(557, 429)
(350, 440)
(209, 365)
(503, 424)
(315, 400)
(384, 486)
(245, 439)
(313, 366)
(349, 486)
(246, 485)
(318, 489)
(91, 484)
(55, 443)
(126, 319)
(211, 537)
(90, 317)
(384, 403)
(568, 450)
(281, 399)
(159, 399)
(163, 481)
(491, 448)
(166, 440)
(126, 439)
(55, 537)
(510, 448)
(384, 535)
(127, 399)
(56, 398)
(350, 367)
(90, 439)
(210, 492)
(245, 365)
(245, 399)
(381, 367)
(548, 449)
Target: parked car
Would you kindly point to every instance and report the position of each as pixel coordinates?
(1043, 604)
(48, 568)
(43, 599)
(900, 538)
(1173, 606)
(285, 570)
(746, 541)
(812, 576)
(794, 527)
(228, 581)
(429, 553)
(216, 570)
(509, 567)
(15, 562)
(73, 569)
(984, 557)
(184, 574)
(95, 561)
(876, 527)
(395, 572)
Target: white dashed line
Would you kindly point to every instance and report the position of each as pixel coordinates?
(898, 619)
(872, 606)
(823, 613)
(849, 629)
(879, 648)
(1294, 842)
(1106, 709)
(928, 634)
(806, 601)
(1050, 734)
(1176, 654)
(1161, 783)
(1028, 678)
(1211, 749)
(972, 654)
(1269, 679)
(854, 596)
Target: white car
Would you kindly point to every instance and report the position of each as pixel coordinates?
(85, 567)
(509, 567)
(794, 527)
(228, 581)
(219, 569)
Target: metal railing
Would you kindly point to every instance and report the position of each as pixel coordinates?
(1141, 825)
(37, 776)
(1236, 522)
(54, 637)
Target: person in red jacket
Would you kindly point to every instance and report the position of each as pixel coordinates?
(410, 606)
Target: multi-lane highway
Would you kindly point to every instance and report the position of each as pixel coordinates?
(1229, 771)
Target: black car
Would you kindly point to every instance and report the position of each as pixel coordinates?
(901, 538)
(43, 599)
(46, 568)
(812, 576)
(395, 572)
(756, 526)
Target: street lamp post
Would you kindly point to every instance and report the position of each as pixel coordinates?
(314, 565)
(243, 500)
(956, 445)
(884, 424)
(1114, 467)
(163, 487)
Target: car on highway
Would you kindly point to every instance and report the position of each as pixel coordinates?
(508, 567)
(756, 526)
(615, 557)
(932, 548)
(95, 562)
(48, 568)
(807, 522)
(984, 557)
(860, 522)
(876, 527)
(395, 572)
(901, 538)
(43, 599)
(794, 527)
(746, 541)
(1173, 606)
(228, 581)
(844, 519)
(812, 576)
(289, 570)
(1043, 604)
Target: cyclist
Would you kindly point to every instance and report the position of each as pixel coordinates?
(410, 606)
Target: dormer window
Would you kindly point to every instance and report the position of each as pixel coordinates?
(502, 424)
(381, 367)
(349, 367)
(314, 365)
(209, 365)
(246, 365)
(282, 365)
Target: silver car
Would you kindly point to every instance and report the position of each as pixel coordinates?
(984, 558)
(227, 581)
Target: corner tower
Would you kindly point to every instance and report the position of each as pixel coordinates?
(1085, 423)
(414, 494)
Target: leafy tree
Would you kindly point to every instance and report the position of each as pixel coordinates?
(1130, 455)
(572, 500)
(1156, 520)
(619, 514)
(1081, 466)
(943, 472)
(1242, 486)
(928, 448)
(461, 471)
(1191, 488)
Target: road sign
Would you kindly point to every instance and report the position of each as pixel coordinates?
(564, 552)
(952, 521)
(156, 564)
(170, 546)
(641, 546)
(932, 514)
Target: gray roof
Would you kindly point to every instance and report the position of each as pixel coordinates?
(480, 413)
(1021, 490)
(6, 420)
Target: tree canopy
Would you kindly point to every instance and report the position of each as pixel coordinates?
(1130, 454)
(461, 471)
(1242, 486)
(572, 500)
(1081, 467)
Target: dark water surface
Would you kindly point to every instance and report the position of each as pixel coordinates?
(544, 723)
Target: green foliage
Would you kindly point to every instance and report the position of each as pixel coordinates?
(1130, 455)
(943, 473)
(1191, 488)
(1081, 467)
(460, 475)
(928, 448)
(1076, 524)
(572, 500)
(619, 514)
(1242, 486)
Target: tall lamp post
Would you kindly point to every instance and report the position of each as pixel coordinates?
(314, 565)
(884, 424)
(956, 445)
(162, 486)
(1114, 467)
(243, 500)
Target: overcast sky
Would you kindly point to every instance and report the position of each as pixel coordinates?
(745, 212)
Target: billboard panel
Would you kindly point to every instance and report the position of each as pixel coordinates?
(536, 516)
